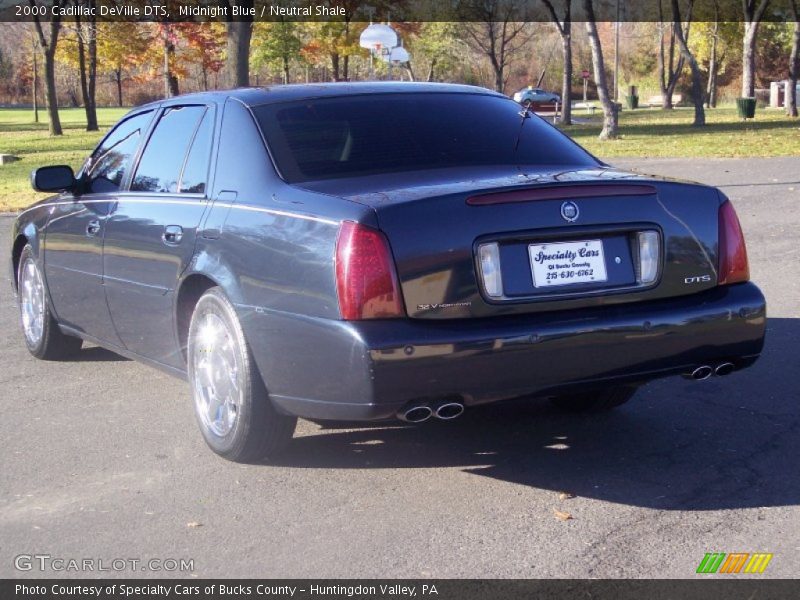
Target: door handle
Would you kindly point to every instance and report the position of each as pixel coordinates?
(92, 228)
(173, 234)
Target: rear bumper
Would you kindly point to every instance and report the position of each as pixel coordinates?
(323, 369)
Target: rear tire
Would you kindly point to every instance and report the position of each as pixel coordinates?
(43, 337)
(232, 407)
(597, 401)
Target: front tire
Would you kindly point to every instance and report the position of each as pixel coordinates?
(232, 407)
(597, 401)
(43, 337)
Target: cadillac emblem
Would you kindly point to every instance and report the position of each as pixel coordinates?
(570, 212)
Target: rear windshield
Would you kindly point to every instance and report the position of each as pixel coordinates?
(352, 136)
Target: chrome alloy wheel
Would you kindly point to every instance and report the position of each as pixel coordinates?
(218, 386)
(31, 301)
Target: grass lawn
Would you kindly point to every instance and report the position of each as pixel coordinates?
(644, 133)
(649, 132)
(20, 136)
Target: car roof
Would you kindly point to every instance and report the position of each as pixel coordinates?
(282, 93)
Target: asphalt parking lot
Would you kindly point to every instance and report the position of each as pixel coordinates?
(102, 459)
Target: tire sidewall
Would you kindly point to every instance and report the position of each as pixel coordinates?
(214, 301)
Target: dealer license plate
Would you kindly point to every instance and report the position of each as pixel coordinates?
(566, 263)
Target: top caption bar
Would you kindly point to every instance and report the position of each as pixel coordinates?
(381, 10)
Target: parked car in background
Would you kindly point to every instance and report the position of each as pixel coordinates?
(377, 251)
(536, 96)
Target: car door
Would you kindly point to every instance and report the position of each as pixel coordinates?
(150, 234)
(73, 260)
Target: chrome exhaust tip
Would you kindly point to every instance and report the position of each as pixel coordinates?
(415, 414)
(725, 368)
(449, 410)
(700, 373)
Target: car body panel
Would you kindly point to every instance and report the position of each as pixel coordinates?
(271, 246)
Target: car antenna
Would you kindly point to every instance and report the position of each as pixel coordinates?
(524, 114)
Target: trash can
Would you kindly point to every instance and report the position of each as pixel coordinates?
(746, 108)
(633, 101)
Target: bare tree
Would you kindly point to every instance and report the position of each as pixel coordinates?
(48, 47)
(670, 66)
(493, 32)
(564, 27)
(697, 77)
(239, 33)
(87, 44)
(753, 13)
(610, 115)
(794, 64)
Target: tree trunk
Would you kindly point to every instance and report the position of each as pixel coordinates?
(697, 78)
(48, 48)
(749, 60)
(237, 65)
(50, 91)
(346, 67)
(711, 88)
(609, 110)
(566, 84)
(35, 85)
(335, 66)
(794, 65)
(285, 69)
(91, 114)
(431, 70)
(170, 80)
(118, 79)
(86, 95)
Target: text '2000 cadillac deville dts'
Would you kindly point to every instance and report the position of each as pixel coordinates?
(377, 251)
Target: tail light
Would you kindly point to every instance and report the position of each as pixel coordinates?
(366, 280)
(733, 265)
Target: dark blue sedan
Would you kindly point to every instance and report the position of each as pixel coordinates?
(377, 251)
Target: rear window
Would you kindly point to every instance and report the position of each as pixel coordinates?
(383, 133)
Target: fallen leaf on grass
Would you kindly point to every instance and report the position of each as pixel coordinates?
(194, 524)
(562, 516)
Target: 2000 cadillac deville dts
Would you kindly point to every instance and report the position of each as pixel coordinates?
(377, 250)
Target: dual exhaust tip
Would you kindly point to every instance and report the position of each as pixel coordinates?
(705, 371)
(418, 413)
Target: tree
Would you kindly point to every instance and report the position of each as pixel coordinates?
(239, 33)
(753, 13)
(48, 46)
(121, 47)
(609, 109)
(276, 45)
(168, 40)
(669, 71)
(564, 27)
(697, 79)
(78, 49)
(794, 63)
(434, 47)
(205, 43)
(493, 32)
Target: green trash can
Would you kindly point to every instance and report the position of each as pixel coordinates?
(746, 108)
(633, 101)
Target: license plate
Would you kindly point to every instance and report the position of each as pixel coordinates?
(566, 263)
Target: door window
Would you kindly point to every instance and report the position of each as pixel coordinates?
(160, 167)
(106, 169)
(195, 172)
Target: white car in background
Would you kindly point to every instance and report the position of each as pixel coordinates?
(536, 95)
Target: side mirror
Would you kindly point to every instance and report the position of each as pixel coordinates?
(53, 179)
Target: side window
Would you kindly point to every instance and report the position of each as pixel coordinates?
(195, 172)
(111, 160)
(162, 160)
